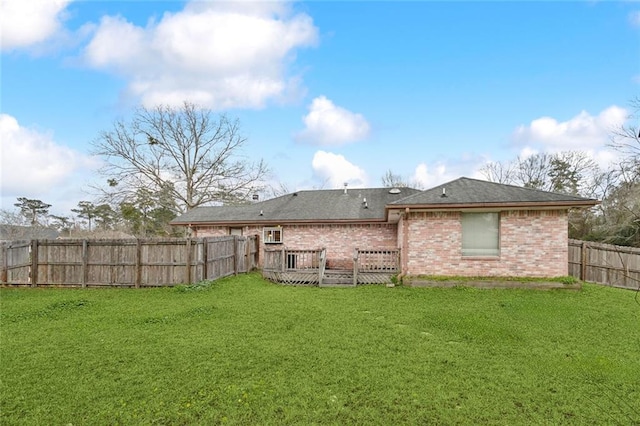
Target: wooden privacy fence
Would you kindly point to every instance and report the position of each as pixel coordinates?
(125, 262)
(616, 266)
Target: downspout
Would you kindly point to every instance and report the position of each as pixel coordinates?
(404, 247)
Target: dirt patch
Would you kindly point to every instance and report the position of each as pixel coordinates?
(537, 285)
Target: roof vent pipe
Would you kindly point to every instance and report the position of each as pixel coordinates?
(345, 187)
(444, 192)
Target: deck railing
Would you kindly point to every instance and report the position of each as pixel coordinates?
(309, 266)
(373, 266)
(387, 260)
(294, 266)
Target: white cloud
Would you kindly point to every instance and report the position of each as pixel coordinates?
(634, 18)
(328, 124)
(34, 165)
(429, 175)
(584, 132)
(24, 23)
(218, 54)
(581, 132)
(336, 170)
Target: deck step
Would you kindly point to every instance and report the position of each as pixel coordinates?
(336, 283)
(337, 278)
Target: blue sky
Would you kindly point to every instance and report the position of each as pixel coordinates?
(327, 92)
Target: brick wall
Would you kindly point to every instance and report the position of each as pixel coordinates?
(533, 243)
(339, 240)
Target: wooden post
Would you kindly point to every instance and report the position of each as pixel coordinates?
(187, 271)
(320, 266)
(355, 266)
(138, 271)
(247, 258)
(34, 263)
(235, 255)
(626, 274)
(4, 268)
(583, 261)
(205, 260)
(283, 264)
(85, 260)
(256, 242)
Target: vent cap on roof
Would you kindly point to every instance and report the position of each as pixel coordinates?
(394, 191)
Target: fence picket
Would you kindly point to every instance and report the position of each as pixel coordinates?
(123, 263)
(607, 264)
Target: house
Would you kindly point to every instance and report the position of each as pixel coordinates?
(18, 232)
(466, 227)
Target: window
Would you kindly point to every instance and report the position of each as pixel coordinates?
(480, 234)
(235, 231)
(272, 235)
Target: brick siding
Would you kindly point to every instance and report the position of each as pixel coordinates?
(339, 240)
(533, 243)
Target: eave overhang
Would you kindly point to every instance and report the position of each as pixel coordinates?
(273, 222)
(548, 205)
(543, 205)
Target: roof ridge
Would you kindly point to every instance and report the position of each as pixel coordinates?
(522, 187)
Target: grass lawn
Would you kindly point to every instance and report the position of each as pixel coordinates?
(245, 351)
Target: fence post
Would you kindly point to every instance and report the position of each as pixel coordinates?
(5, 262)
(138, 263)
(205, 259)
(85, 260)
(247, 254)
(583, 261)
(34, 263)
(235, 255)
(187, 246)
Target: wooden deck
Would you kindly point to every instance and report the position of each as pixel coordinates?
(308, 267)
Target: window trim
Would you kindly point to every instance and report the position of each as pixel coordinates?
(485, 255)
(269, 232)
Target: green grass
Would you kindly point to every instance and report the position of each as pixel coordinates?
(244, 351)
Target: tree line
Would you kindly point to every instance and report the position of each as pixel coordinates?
(159, 164)
(165, 161)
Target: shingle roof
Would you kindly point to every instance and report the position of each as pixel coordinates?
(335, 205)
(305, 206)
(17, 232)
(468, 192)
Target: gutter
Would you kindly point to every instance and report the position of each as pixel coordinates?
(516, 205)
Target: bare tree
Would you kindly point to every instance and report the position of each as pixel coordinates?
(188, 152)
(626, 137)
(499, 172)
(570, 172)
(394, 180)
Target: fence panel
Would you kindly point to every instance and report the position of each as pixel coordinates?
(616, 266)
(58, 262)
(221, 257)
(16, 262)
(124, 262)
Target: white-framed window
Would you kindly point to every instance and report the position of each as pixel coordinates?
(481, 234)
(272, 235)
